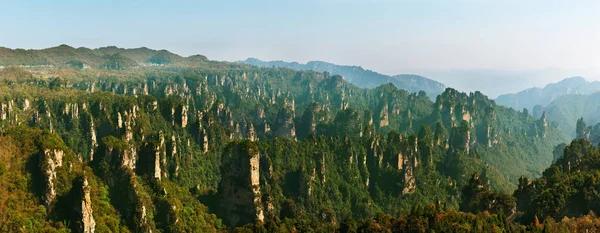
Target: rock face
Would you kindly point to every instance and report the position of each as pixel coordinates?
(88, 224)
(119, 120)
(467, 141)
(492, 136)
(184, 116)
(123, 178)
(251, 132)
(52, 159)
(322, 169)
(157, 169)
(144, 219)
(93, 139)
(239, 189)
(543, 126)
(255, 183)
(26, 104)
(466, 115)
(400, 162)
(460, 138)
(407, 162)
(6, 110)
(204, 141)
(285, 122)
(384, 116)
(409, 179)
(129, 158)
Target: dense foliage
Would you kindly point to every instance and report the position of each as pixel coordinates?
(213, 146)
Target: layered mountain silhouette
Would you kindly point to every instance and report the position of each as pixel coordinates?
(531, 97)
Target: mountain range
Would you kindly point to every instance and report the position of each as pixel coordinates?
(531, 97)
(109, 57)
(361, 77)
(563, 102)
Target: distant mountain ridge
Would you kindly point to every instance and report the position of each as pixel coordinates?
(531, 97)
(110, 57)
(565, 111)
(360, 76)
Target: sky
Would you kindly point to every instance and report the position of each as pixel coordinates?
(391, 37)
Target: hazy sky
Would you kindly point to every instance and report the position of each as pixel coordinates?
(383, 35)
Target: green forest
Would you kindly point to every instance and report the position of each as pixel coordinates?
(139, 140)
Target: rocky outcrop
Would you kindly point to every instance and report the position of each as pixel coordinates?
(466, 115)
(251, 132)
(52, 159)
(409, 179)
(3, 111)
(173, 154)
(322, 169)
(376, 154)
(71, 110)
(492, 136)
(239, 189)
(26, 104)
(7, 113)
(285, 122)
(184, 115)
(384, 116)
(173, 145)
(119, 152)
(267, 128)
(93, 139)
(144, 219)
(260, 113)
(131, 199)
(543, 126)
(406, 161)
(255, 184)
(368, 129)
(88, 224)
(158, 151)
(129, 158)
(204, 137)
(460, 137)
(467, 141)
(119, 120)
(400, 162)
(130, 155)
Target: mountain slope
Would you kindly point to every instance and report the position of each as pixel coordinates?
(543, 96)
(361, 77)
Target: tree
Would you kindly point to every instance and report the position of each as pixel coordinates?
(348, 226)
(289, 210)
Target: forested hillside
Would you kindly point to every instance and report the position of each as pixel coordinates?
(212, 146)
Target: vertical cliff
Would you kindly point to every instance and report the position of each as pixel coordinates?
(240, 189)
